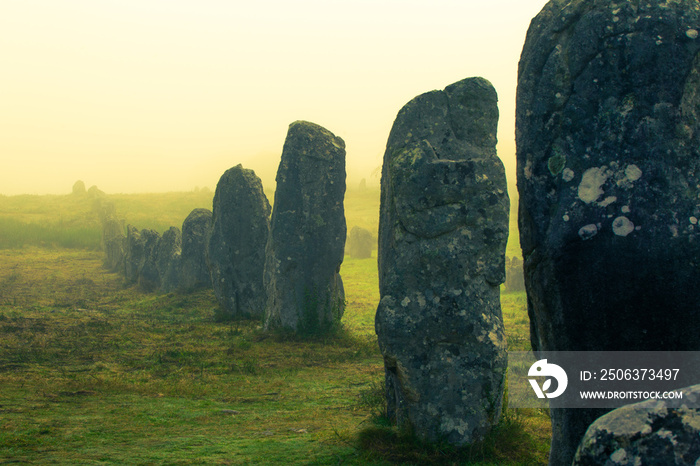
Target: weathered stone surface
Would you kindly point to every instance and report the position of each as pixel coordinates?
(195, 233)
(168, 258)
(443, 229)
(113, 243)
(148, 276)
(134, 254)
(236, 251)
(609, 178)
(307, 233)
(647, 433)
(360, 243)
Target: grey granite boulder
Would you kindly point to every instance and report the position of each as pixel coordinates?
(648, 433)
(133, 254)
(236, 251)
(307, 233)
(113, 243)
(79, 188)
(608, 152)
(443, 229)
(148, 276)
(360, 243)
(168, 258)
(195, 234)
(515, 280)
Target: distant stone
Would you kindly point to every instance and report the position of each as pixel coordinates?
(515, 281)
(113, 243)
(148, 276)
(360, 243)
(363, 184)
(650, 432)
(168, 257)
(443, 229)
(134, 254)
(103, 208)
(608, 152)
(95, 192)
(307, 233)
(79, 188)
(236, 254)
(195, 233)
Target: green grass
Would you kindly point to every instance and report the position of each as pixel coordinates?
(95, 372)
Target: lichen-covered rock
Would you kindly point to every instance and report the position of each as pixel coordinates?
(113, 243)
(134, 254)
(609, 177)
(443, 229)
(307, 233)
(195, 233)
(236, 251)
(168, 258)
(646, 433)
(148, 276)
(360, 243)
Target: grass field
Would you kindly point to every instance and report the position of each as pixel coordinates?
(96, 372)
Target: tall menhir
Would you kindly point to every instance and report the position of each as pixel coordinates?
(307, 233)
(443, 229)
(236, 247)
(609, 177)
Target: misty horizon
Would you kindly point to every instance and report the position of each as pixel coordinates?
(163, 96)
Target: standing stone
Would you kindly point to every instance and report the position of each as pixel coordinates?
(443, 229)
(95, 192)
(148, 276)
(360, 242)
(236, 251)
(307, 233)
(79, 188)
(168, 259)
(134, 254)
(515, 280)
(195, 233)
(113, 243)
(608, 158)
(650, 432)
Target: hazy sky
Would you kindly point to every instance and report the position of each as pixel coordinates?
(161, 95)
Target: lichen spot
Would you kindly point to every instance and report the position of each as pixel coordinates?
(622, 226)
(626, 209)
(692, 33)
(567, 175)
(633, 172)
(405, 302)
(591, 186)
(607, 201)
(694, 220)
(566, 218)
(588, 231)
(619, 456)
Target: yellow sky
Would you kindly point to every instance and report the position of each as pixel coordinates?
(161, 95)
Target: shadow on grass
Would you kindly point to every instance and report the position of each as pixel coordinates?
(507, 444)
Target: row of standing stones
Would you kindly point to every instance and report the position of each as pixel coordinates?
(281, 265)
(608, 175)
